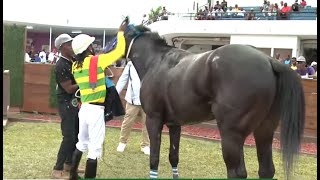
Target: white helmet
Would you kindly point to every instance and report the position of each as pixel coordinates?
(81, 42)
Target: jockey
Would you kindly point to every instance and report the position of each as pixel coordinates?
(88, 71)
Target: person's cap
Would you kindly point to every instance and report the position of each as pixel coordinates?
(301, 59)
(61, 39)
(313, 63)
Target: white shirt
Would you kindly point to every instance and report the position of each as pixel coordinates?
(241, 13)
(219, 12)
(43, 56)
(51, 56)
(133, 89)
(27, 57)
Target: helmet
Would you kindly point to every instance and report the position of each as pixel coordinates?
(61, 39)
(81, 42)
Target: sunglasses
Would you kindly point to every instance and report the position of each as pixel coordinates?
(300, 62)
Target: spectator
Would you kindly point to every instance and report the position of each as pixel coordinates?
(303, 3)
(281, 4)
(265, 7)
(251, 15)
(287, 61)
(295, 6)
(52, 56)
(230, 11)
(241, 12)
(285, 11)
(278, 57)
(211, 14)
(314, 65)
(270, 10)
(236, 8)
(302, 68)
(206, 12)
(43, 56)
(37, 58)
(133, 108)
(276, 11)
(224, 5)
(217, 5)
(293, 63)
(219, 12)
(200, 15)
(27, 57)
(164, 14)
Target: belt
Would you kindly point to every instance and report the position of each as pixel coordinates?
(99, 104)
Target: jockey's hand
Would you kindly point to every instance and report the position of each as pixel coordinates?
(124, 24)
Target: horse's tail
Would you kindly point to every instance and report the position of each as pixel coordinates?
(290, 98)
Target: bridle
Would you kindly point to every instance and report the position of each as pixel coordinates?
(130, 46)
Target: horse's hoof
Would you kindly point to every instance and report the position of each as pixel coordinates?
(175, 176)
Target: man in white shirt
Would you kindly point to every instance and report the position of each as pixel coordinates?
(133, 108)
(43, 56)
(27, 57)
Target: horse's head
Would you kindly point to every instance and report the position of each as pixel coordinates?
(143, 47)
(132, 35)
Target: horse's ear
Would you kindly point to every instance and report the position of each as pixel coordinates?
(142, 28)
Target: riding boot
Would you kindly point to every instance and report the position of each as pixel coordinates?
(91, 168)
(76, 157)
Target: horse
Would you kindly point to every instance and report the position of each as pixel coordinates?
(245, 90)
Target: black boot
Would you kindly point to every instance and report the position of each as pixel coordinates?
(91, 168)
(76, 157)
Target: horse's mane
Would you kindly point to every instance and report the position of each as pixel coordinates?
(153, 35)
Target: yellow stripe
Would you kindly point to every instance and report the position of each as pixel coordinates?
(90, 91)
(86, 78)
(100, 100)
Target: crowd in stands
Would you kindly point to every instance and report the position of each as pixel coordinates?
(42, 56)
(219, 10)
(300, 65)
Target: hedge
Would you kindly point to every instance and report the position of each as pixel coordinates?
(13, 60)
(53, 84)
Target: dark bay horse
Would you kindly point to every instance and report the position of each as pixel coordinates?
(242, 88)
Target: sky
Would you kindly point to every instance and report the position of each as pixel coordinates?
(101, 13)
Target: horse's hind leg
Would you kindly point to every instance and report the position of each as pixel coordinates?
(174, 132)
(232, 150)
(232, 139)
(154, 127)
(263, 136)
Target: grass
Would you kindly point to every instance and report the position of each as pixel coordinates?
(30, 149)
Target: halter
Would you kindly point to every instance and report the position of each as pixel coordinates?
(130, 45)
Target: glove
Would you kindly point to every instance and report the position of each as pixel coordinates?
(124, 24)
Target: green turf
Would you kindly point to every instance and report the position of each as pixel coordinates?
(30, 151)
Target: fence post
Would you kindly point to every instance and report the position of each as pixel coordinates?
(6, 94)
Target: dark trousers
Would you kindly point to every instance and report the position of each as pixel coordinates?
(70, 129)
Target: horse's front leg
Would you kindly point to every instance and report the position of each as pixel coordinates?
(154, 127)
(174, 132)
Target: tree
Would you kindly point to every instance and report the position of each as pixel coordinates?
(154, 14)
